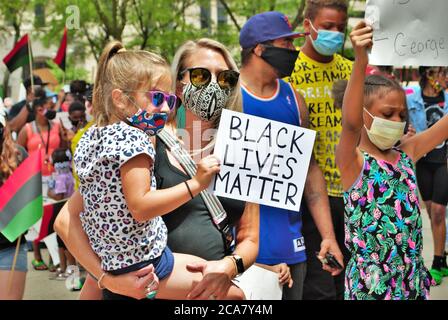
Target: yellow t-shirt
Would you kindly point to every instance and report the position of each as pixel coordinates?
(73, 146)
(314, 80)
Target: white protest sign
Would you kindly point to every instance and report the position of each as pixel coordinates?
(259, 284)
(408, 32)
(33, 231)
(52, 245)
(62, 117)
(262, 161)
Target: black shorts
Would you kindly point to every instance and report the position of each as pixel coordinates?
(433, 182)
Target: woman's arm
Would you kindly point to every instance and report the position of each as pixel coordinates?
(248, 232)
(217, 274)
(348, 157)
(144, 203)
(69, 228)
(422, 143)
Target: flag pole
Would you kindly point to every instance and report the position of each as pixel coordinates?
(31, 65)
(11, 276)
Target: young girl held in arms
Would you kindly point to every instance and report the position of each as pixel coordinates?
(114, 161)
(383, 222)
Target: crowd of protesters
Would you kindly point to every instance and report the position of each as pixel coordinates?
(139, 217)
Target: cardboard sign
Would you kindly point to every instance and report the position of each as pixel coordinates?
(408, 32)
(262, 161)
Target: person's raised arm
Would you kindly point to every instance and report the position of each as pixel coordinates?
(68, 227)
(422, 143)
(17, 123)
(347, 153)
(22, 138)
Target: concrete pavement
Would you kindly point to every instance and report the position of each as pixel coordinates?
(39, 287)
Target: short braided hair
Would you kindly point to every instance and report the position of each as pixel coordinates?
(313, 6)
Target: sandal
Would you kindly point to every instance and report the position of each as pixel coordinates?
(436, 276)
(39, 265)
(62, 276)
(55, 274)
(52, 267)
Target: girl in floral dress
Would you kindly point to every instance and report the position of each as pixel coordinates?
(383, 222)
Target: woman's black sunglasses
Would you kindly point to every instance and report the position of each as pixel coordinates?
(201, 77)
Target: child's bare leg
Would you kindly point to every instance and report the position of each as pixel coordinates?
(180, 282)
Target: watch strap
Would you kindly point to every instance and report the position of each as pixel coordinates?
(239, 263)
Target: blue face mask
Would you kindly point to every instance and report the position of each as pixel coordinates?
(327, 42)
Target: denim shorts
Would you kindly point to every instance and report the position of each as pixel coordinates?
(7, 257)
(163, 266)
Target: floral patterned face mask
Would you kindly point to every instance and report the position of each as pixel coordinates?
(150, 123)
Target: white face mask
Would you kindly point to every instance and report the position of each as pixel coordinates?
(384, 133)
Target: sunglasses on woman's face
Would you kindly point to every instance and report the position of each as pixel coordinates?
(201, 77)
(158, 98)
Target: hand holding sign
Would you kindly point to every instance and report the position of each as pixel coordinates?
(207, 168)
(361, 38)
(262, 161)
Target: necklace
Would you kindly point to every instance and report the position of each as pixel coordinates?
(47, 144)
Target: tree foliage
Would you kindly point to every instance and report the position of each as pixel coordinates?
(157, 25)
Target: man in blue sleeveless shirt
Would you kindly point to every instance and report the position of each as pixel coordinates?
(268, 55)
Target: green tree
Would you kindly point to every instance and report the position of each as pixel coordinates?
(161, 25)
(99, 22)
(71, 73)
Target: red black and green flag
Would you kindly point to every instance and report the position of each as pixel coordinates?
(51, 211)
(19, 55)
(21, 203)
(62, 52)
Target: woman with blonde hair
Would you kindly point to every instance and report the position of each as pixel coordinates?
(201, 237)
(11, 155)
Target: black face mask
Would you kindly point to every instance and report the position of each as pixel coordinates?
(281, 59)
(50, 114)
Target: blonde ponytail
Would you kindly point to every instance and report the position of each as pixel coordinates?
(127, 70)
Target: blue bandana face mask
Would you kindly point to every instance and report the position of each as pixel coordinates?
(327, 42)
(150, 123)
